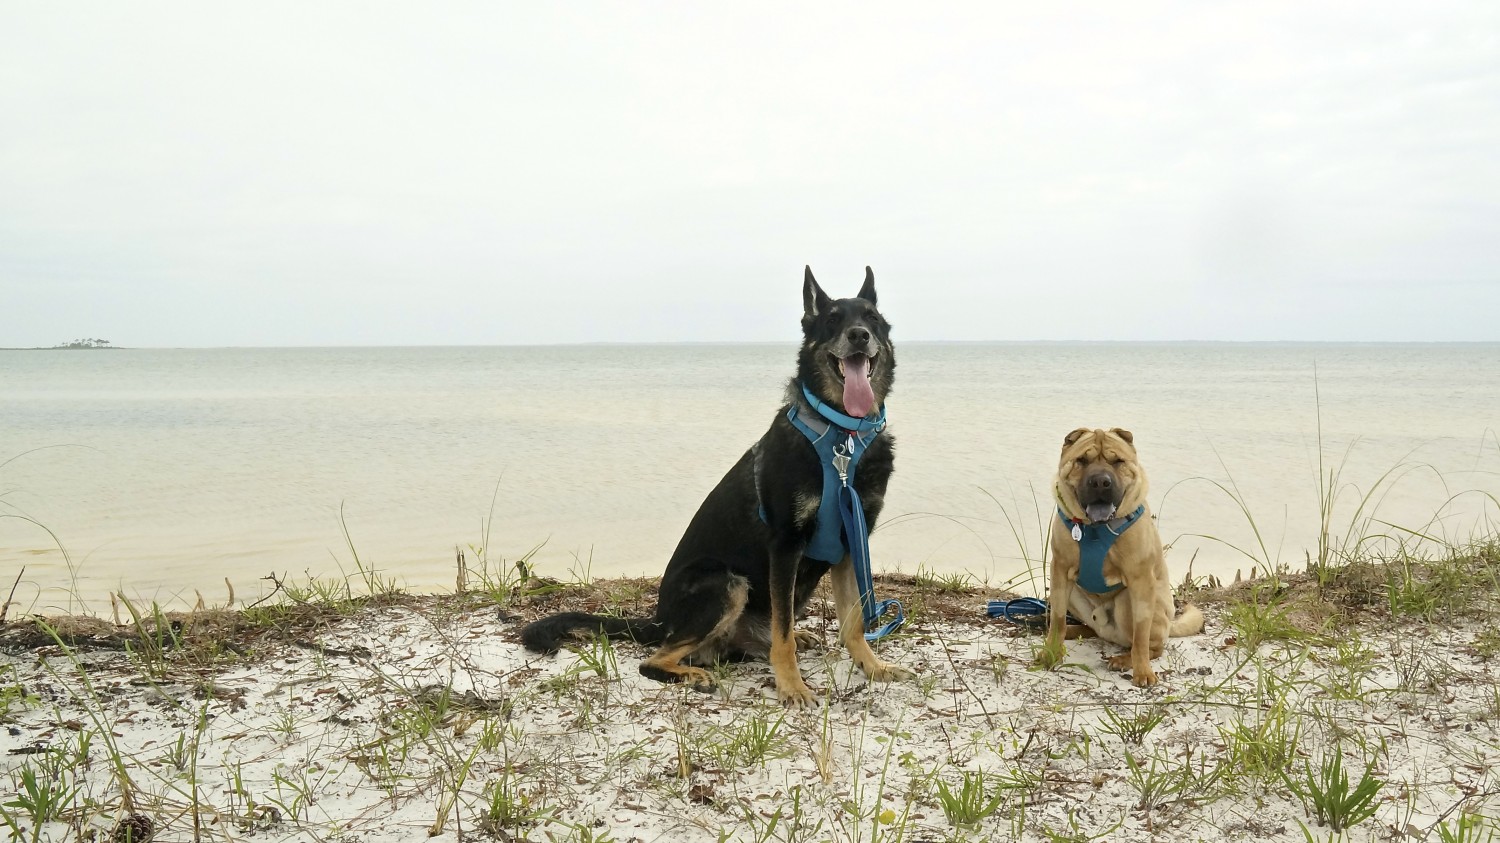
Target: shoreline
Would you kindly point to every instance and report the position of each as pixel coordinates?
(391, 716)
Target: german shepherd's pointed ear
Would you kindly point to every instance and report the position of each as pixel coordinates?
(814, 300)
(867, 292)
(1123, 434)
(1075, 436)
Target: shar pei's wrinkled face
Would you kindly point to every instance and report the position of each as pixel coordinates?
(1098, 477)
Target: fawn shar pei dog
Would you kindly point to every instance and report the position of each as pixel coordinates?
(1108, 566)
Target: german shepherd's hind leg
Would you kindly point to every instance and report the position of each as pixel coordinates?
(698, 628)
(665, 665)
(807, 640)
(852, 627)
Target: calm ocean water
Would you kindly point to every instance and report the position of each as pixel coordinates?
(166, 471)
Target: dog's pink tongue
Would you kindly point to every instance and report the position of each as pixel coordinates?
(1099, 511)
(859, 397)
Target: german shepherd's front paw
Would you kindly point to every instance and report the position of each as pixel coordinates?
(796, 696)
(886, 672)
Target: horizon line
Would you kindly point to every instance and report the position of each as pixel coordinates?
(728, 343)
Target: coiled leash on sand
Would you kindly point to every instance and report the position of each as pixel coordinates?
(1024, 611)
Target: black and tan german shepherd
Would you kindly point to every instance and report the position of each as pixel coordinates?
(738, 578)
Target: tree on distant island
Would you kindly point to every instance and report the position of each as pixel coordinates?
(85, 343)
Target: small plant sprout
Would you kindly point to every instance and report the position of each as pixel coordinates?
(969, 802)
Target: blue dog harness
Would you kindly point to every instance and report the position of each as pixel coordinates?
(1094, 541)
(839, 459)
(841, 529)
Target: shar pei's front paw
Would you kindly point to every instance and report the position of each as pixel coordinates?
(1142, 676)
(1051, 655)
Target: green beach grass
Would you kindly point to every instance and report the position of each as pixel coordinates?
(1355, 702)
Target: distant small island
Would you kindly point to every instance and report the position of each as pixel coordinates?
(85, 343)
(89, 343)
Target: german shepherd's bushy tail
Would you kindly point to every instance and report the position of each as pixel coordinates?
(548, 634)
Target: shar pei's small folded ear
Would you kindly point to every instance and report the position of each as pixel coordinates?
(1123, 434)
(1075, 436)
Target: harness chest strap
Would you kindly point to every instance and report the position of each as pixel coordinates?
(840, 529)
(840, 461)
(1094, 541)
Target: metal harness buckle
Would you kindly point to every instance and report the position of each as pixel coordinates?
(841, 457)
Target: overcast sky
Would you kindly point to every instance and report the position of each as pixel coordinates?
(191, 174)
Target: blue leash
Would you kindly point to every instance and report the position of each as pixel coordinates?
(1022, 611)
(858, 534)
